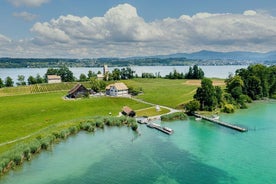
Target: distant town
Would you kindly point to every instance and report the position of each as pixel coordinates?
(181, 59)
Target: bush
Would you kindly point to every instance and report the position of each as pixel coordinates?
(134, 126)
(35, 146)
(174, 116)
(229, 108)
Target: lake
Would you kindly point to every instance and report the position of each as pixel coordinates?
(210, 71)
(198, 152)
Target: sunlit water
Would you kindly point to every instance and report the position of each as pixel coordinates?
(198, 152)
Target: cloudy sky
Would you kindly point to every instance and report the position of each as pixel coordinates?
(113, 28)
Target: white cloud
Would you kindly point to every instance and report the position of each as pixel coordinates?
(4, 39)
(25, 16)
(122, 32)
(30, 3)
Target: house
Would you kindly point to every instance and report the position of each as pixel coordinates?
(53, 79)
(127, 111)
(78, 91)
(116, 89)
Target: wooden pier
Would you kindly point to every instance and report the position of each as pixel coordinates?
(225, 124)
(160, 128)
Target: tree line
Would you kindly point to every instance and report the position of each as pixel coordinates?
(117, 74)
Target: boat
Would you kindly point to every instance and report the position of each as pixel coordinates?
(167, 130)
(198, 119)
(215, 117)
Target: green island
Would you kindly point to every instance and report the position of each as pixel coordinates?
(34, 117)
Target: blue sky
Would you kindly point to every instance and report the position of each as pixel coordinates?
(109, 28)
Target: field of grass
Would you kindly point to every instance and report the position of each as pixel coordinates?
(171, 93)
(22, 115)
(26, 110)
(151, 111)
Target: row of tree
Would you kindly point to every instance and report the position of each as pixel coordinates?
(194, 73)
(117, 74)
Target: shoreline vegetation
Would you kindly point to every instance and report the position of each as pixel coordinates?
(40, 122)
(45, 141)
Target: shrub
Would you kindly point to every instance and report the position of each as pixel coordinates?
(134, 126)
(73, 130)
(229, 108)
(35, 146)
(174, 116)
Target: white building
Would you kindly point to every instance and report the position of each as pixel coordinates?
(116, 89)
(53, 79)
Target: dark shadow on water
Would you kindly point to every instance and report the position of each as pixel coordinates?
(156, 161)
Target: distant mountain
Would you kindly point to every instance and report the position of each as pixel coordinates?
(211, 55)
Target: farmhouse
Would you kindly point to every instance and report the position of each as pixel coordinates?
(116, 89)
(127, 111)
(53, 79)
(78, 91)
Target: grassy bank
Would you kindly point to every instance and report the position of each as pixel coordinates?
(19, 153)
(26, 114)
(171, 93)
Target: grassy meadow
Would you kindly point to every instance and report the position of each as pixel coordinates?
(22, 115)
(171, 93)
(30, 110)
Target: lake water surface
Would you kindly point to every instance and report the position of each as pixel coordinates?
(197, 153)
(210, 71)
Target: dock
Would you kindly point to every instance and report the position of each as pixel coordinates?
(156, 126)
(160, 128)
(225, 124)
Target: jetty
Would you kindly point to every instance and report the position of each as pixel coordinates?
(225, 124)
(156, 126)
(160, 128)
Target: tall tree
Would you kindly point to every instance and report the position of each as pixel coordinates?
(31, 80)
(1, 83)
(21, 80)
(9, 82)
(65, 74)
(83, 77)
(206, 95)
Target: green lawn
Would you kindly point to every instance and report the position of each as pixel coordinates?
(151, 111)
(166, 92)
(22, 115)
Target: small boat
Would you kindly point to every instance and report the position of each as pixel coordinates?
(198, 119)
(168, 130)
(215, 117)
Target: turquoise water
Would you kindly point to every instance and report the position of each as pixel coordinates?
(198, 152)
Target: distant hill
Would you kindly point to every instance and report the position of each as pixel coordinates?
(237, 56)
(179, 59)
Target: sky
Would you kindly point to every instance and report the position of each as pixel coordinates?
(114, 28)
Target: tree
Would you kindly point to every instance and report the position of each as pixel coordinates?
(234, 86)
(97, 85)
(21, 80)
(206, 95)
(192, 106)
(83, 77)
(194, 73)
(65, 74)
(116, 74)
(1, 83)
(9, 82)
(39, 79)
(127, 73)
(31, 80)
(218, 95)
(91, 74)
